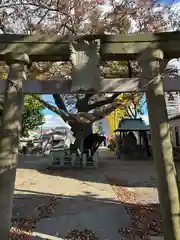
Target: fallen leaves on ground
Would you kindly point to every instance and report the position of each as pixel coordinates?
(22, 229)
(124, 194)
(145, 219)
(45, 211)
(81, 235)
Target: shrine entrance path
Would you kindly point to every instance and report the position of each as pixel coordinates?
(63, 200)
(100, 200)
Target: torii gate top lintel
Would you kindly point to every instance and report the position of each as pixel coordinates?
(112, 47)
(86, 71)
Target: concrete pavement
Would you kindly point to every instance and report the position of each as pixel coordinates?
(83, 200)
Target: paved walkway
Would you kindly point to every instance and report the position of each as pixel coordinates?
(64, 200)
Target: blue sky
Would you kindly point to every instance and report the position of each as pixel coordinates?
(52, 119)
(169, 1)
(145, 116)
(48, 98)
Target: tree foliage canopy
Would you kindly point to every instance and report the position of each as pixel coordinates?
(32, 114)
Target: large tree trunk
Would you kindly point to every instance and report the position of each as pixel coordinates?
(80, 131)
(9, 141)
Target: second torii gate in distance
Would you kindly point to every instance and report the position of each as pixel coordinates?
(86, 52)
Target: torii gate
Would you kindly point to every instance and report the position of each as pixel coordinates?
(152, 51)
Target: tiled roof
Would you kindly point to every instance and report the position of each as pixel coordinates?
(127, 124)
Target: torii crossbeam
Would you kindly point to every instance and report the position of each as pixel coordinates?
(112, 47)
(108, 85)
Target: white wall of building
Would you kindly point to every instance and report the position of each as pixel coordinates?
(172, 104)
(175, 131)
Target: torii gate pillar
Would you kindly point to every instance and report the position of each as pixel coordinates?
(152, 63)
(10, 135)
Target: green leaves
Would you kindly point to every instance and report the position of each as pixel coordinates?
(31, 103)
(32, 114)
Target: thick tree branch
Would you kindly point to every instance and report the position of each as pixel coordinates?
(71, 118)
(59, 102)
(103, 111)
(83, 117)
(128, 113)
(65, 116)
(131, 112)
(130, 70)
(1, 104)
(103, 102)
(135, 111)
(97, 114)
(82, 104)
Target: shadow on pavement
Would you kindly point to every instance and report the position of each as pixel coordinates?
(59, 214)
(128, 173)
(48, 215)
